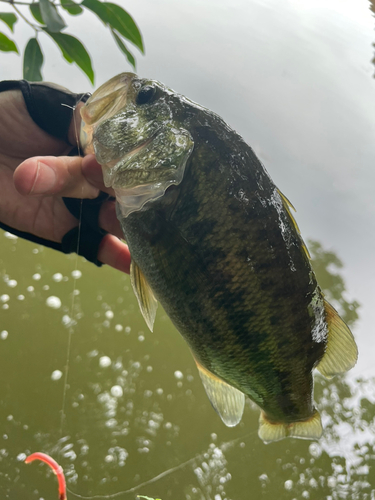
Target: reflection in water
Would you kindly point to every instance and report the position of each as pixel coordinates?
(133, 401)
(326, 265)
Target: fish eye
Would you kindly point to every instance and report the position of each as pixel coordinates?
(145, 94)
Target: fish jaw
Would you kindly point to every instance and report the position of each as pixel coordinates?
(105, 102)
(141, 149)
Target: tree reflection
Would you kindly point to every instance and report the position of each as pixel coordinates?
(326, 265)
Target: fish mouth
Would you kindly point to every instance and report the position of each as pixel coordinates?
(105, 102)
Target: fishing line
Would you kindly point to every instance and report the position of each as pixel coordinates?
(72, 323)
(223, 447)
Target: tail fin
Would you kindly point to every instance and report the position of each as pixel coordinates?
(274, 431)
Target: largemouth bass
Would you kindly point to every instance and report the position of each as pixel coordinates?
(213, 239)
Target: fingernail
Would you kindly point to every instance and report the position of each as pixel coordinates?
(45, 179)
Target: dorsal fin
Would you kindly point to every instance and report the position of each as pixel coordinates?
(341, 352)
(228, 402)
(287, 207)
(146, 299)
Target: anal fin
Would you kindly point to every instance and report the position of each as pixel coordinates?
(341, 352)
(146, 299)
(274, 431)
(227, 401)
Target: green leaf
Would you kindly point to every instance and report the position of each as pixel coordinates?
(35, 11)
(71, 7)
(122, 22)
(8, 19)
(97, 8)
(74, 51)
(7, 45)
(123, 48)
(33, 61)
(51, 17)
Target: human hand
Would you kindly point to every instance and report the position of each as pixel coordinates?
(35, 174)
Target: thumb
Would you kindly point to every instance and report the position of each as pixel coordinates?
(50, 175)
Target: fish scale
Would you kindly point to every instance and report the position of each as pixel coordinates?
(215, 242)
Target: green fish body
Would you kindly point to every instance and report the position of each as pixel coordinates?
(213, 239)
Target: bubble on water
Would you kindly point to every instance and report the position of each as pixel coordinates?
(56, 375)
(127, 329)
(119, 328)
(21, 297)
(36, 276)
(305, 494)
(66, 320)
(105, 361)
(159, 391)
(76, 292)
(30, 288)
(141, 338)
(21, 457)
(288, 485)
(117, 391)
(53, 302)
(315, 450)
(5, 306)
(4, 297)
(12, 283)
(4, 335)
(10, 418)
(109, 314)
(10, 236)
(76, 274)
(331, 482)
(147, 393)
(57, 277)
(149, 369)
(109, 459)
(35, 250)
(45, 287)
(313, 483)
(178, 375)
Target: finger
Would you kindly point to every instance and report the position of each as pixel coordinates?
(108, 219)
(51, 175)
(92, 170)
(115, 253)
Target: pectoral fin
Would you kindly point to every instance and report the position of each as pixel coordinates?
(274, 431)
(341, 352)
(146, 299)
(228, 402)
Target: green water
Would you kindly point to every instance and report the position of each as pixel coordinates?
(134, 405)
(295, 78)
